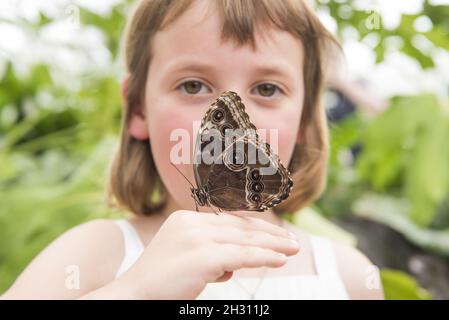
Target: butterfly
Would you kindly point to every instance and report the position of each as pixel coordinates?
(234, 168)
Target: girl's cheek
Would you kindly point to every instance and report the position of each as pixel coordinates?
(170, 129)
(167, 129)
(285, 144)
(283, 134)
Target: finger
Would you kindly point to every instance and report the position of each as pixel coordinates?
(225, 277)
(255, 238)
(235, 257)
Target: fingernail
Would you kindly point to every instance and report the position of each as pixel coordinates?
(292, 235)
(282, 255)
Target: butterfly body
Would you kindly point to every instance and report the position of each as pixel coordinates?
(234, 169)
(200, 195)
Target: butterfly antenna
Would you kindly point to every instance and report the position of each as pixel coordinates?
(182, 174)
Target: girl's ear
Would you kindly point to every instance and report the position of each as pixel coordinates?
(137, 125)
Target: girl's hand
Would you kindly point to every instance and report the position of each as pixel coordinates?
(192, 249)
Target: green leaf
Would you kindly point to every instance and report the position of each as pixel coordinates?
(424, 60)
(439, 37)
(428, 173)
(405, 151)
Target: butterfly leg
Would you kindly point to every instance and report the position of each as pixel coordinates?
(213, 209)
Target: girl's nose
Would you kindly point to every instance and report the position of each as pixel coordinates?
(255, 115)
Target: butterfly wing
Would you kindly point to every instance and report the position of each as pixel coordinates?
(250, 175)
(249, 188)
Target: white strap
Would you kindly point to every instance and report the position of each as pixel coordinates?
(324, 256)
(132, 244)
(326, 266)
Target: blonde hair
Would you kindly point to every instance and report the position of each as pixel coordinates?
(135, 184)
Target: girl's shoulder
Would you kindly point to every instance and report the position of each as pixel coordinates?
(359, 275)
(95, 247)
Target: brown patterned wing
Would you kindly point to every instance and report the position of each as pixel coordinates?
(226, 112)
(249, 175)
(242, 185)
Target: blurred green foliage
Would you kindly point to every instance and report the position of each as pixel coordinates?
(399, 286)
(406, 152)
(394, 169)
(368, 23)
(56, 145)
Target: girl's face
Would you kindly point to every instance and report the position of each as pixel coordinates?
(190, 67)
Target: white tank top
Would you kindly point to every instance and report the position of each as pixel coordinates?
(326, 284)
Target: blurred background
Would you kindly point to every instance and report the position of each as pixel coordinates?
(387, 104)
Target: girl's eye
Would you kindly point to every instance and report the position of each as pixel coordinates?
(191, 87)
(267, 89)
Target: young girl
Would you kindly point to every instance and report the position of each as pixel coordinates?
(180, 56)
